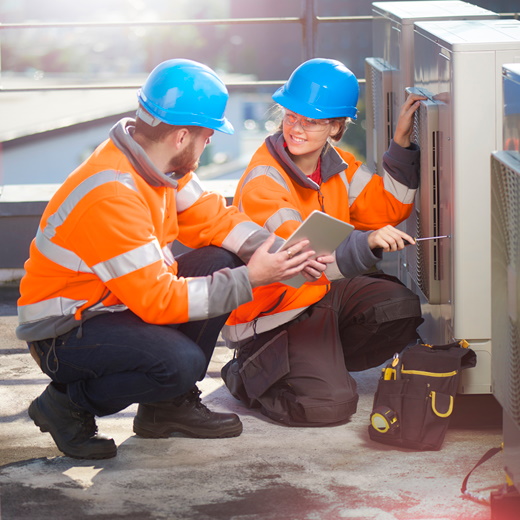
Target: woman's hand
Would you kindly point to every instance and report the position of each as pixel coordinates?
(316, 267)
(265, 268)
(404, 126)
(389, 238)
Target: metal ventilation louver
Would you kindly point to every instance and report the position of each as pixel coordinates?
(379, 103)
(505, 250)
(423, 261)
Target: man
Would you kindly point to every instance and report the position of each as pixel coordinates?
(108, 313)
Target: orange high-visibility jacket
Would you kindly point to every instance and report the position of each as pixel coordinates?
(276, 194)
(103, 244)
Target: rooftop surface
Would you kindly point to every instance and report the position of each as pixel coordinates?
(26, 113)
(270, 472)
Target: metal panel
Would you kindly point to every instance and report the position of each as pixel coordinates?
(423, 261)
(393, 46)
(393, 34)
(511, 433)
(511, 126)
(459, 63)
(379, 104)
(505, 247)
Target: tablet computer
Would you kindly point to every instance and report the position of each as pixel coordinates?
(325, 234)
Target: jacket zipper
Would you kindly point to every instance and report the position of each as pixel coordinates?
(321, 200)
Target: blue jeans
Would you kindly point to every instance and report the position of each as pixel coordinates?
(119, 359)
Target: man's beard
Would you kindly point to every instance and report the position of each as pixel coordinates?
(185, 162)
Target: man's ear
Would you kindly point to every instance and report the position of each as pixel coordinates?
(179, 138)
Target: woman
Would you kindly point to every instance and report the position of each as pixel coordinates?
(294, 348)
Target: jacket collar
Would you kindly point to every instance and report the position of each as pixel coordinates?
(331, 162)
(121, 134)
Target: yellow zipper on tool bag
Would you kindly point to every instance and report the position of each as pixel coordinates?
(431, 374)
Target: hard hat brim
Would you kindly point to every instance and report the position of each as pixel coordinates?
(314, 112)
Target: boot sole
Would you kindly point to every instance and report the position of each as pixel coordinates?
(38, 417)
(166, 430)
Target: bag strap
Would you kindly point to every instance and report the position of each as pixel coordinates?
(474, 496)
(461, 343)
(459, 350)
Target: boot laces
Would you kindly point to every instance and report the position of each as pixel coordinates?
(87, 422)
(193, 397)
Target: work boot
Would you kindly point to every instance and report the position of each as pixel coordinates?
(185, 414)
(74, 430)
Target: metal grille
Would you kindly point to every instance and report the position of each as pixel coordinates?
(376, 94)
(379, 96)
(423, 261)
(506, 281)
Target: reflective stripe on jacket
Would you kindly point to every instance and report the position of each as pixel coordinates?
(103, 245)
(276, 194)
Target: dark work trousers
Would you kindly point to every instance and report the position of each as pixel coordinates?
(377, 317)
(119, 359)
(299, 373)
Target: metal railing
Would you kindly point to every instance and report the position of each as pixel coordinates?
(308, 21)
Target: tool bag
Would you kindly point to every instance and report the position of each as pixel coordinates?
(415, 395)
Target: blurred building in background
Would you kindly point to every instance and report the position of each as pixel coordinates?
(70, 70)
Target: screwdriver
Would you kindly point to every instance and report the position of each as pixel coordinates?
(426, 238)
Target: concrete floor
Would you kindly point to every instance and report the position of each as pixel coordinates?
(270, 472)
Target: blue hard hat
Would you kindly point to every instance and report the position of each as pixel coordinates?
(184, 92)
(320, 89)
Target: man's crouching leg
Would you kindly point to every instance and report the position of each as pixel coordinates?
(74, 430)
(186, 414)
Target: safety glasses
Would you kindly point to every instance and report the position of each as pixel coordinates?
(309, 125)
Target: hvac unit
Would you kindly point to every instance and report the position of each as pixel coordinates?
(458, 66)
(379, 105)
(390, 70)
(505, 272)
